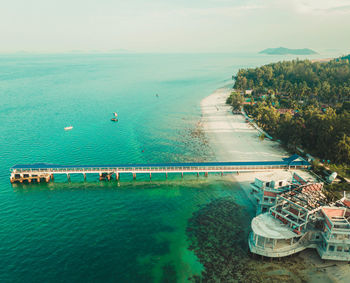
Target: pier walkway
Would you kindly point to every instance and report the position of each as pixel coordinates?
(45, 172)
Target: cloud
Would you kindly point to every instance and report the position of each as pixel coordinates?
(221, 11)
(338, 9)
(322, 6)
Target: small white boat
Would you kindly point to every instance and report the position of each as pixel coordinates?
(68, 128)
(115, 114)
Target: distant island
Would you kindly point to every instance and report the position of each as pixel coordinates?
(287, 51)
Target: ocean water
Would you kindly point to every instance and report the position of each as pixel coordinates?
(127, 231)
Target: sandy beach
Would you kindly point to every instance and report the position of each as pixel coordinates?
(232, 139)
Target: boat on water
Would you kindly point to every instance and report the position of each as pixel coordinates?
(68, 128)
(115, 119)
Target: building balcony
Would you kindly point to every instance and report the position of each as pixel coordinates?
(333, 255)
(281, 248)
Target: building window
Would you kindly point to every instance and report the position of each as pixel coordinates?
(339, 249)
(266, 199)
(260, 241)
(346, 249)
(331, 248)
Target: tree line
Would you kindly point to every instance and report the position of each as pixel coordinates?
(324, 134)
(319, 95)
(300, 80)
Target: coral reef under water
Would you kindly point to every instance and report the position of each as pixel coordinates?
(218, 235)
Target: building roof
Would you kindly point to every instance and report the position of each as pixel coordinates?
(335, 218)
(333, 212)
(308, 196)
(295, 159)
(346, 203)
(286, 110)
(267, 226)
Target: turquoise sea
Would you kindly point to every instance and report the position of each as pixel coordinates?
(127, 231)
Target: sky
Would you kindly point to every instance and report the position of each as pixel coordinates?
(173, 25)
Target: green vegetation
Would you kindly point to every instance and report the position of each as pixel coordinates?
(326, 135)
(335, 191)
(303, 104)
(342, 169)
(286, 51)
(235, 100)
(299, 80)
(262, 136)
(345, 57)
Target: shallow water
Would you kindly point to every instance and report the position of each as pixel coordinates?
(132, 231)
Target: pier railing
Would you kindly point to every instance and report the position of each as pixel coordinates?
(36, 172)
(146, 169)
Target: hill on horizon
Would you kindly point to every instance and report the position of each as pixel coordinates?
(287, 51)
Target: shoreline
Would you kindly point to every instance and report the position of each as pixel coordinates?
(232, 139)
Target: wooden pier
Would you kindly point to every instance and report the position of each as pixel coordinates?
(42, 172)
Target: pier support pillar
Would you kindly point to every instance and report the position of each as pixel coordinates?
(222, 174)
(182, 174)
(197, 174)
(84, 176)
(38, 180)
(166, 175)
(206, 174)
(150, 176)
(117, 176)
(52, 178)
(134, 176)
(108, 177)
(68, 176)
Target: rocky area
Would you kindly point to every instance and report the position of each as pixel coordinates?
(218, 235)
